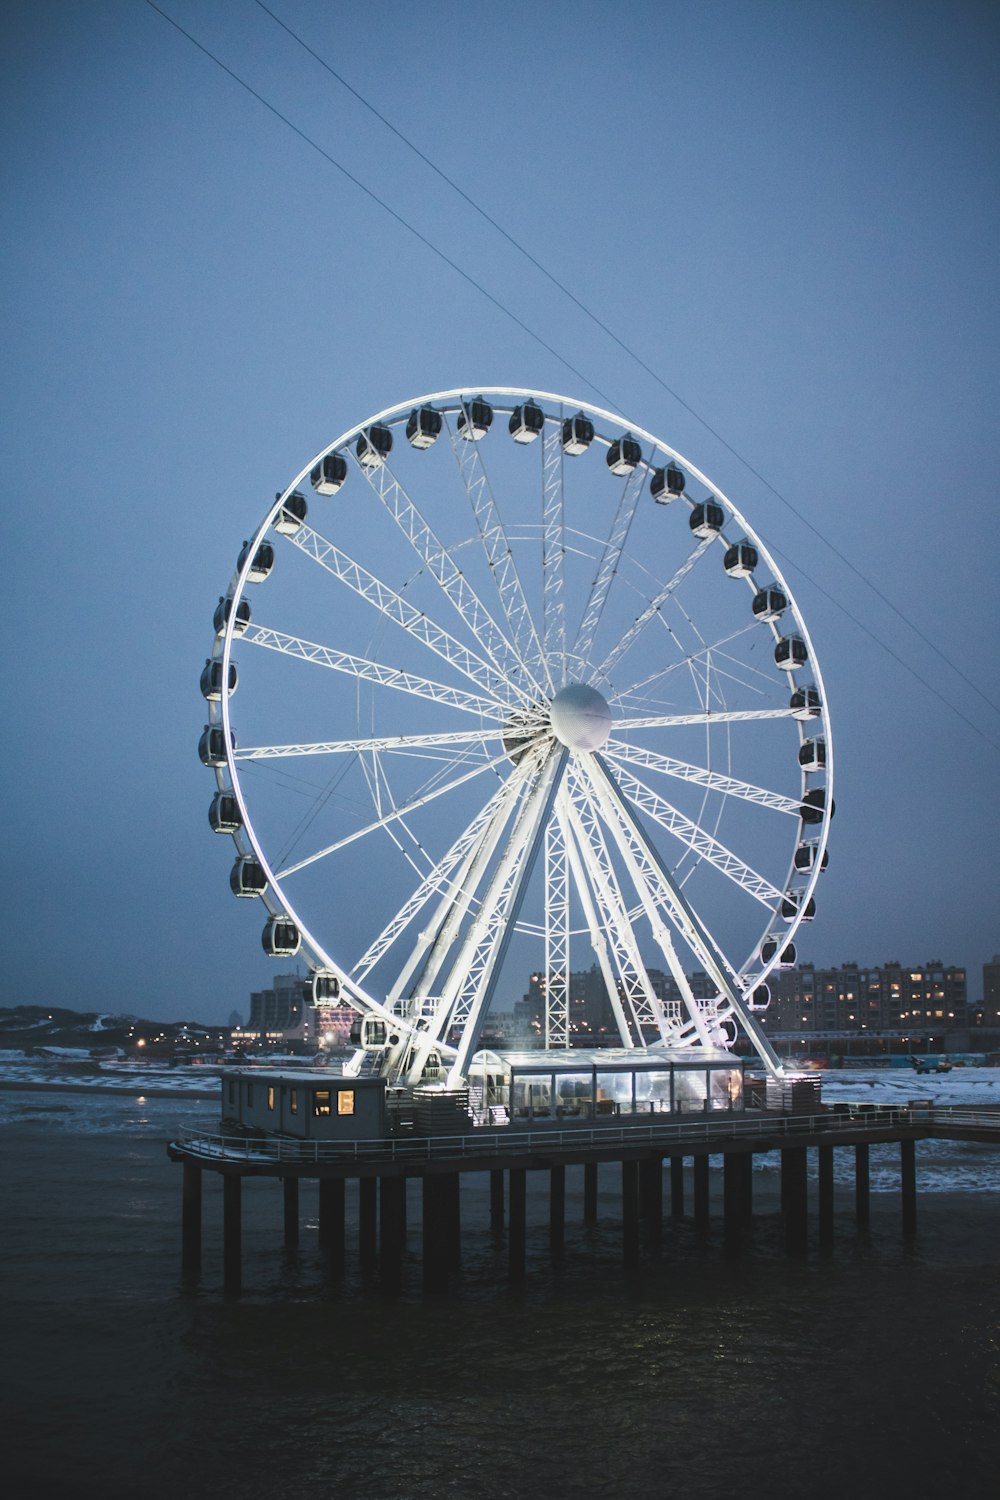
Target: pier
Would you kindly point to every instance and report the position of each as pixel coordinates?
(647, 1156)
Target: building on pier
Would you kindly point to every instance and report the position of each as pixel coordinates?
(568, 1088)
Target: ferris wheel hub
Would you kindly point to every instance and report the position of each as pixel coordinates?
(581, 717)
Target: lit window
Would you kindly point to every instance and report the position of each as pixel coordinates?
(345, 1101)
(293, 1101)
(321, 1102)
(270, 1098)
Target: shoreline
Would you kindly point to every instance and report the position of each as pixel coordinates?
(152, 1091)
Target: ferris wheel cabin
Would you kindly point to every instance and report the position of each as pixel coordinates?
(526, 422)
(329, 474)
(578, 434)
(424, 427)
(223, 611)
(291, 515)
(624, 456)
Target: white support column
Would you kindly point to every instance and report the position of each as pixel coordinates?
(636, 985)
(557, 968)
(646, 879)
(509, 881)
(598, 941)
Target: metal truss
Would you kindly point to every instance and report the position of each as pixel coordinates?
(557, 968)
(373, 671)
(643, 1006)
(392, 606)
(696, 838)
(524, 640)
(610, 558)
(701, 776)
(402, 742)
(684, 918)
(654, 606)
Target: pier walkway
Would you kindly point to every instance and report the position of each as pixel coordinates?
(383, 1167)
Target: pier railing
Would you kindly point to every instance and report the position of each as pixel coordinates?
(513, 1142)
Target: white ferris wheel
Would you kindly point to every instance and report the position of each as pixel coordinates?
(518, 691)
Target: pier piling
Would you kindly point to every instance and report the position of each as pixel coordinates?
(436, 1234)
(191, 1219)
(290, 1203)
(518, 1213)
(630, 1212)
(590, 1192)
(367, 1220)
(701, 1192)
(825, 1154)
(677, 1187)
(331, 1217)
(392, 1229)
(794, 1183)
(496, 1201)
(651, 1196)
(232, 1232)
(557, 1209)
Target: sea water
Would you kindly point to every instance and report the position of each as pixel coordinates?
(870, 1371)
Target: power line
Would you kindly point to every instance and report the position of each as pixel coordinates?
(435, 249)
(536, 338)
(627, 349)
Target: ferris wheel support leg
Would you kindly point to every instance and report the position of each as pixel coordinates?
(536, 811)
(557, 969)
(597, 938)
(690, 924)
(452, 910)
(629, 848)
(636, 986)
(452, 913)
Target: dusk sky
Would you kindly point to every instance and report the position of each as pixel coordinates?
(788, 213)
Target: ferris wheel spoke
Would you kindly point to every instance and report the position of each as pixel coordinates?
(523, 640)
(392, 606)
(596, 926)
(608, 565)
(685, 661)
(402, 742)
(392, 817)
(440, 934)
(554, 554)
(644, 1009)
(494, 924)
(688, 922)
(467, 989)
(654, 606)
(373, 671)
(658, 912)
(710, 716)
(460, 854)
(701, 776)
(440, 564)
(695, 838)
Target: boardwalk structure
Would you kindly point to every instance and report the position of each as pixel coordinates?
(384, 1168)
